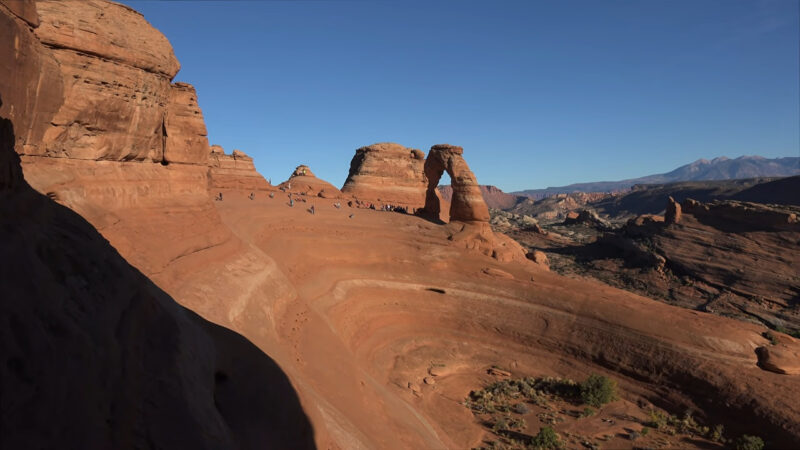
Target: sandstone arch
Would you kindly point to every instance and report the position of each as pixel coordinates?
(467, 204)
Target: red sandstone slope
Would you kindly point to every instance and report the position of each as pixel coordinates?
(358, 306)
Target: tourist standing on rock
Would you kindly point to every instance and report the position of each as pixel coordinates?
(291, 201)
(252, 195)
(311, 210)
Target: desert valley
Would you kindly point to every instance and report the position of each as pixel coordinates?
(158, 292)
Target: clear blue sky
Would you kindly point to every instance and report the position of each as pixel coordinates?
(539, 93)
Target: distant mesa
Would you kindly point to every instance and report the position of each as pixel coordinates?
(303, 181)
(234, 171)
(388, 173)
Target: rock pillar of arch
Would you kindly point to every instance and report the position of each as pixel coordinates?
(467, 204)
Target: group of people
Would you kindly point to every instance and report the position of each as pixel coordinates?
(337, 205)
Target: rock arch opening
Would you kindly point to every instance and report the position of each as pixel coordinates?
(467, 204)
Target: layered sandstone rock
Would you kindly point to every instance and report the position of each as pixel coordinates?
(673, 212)
(736, 215)
(467, 204)
(114, 71)
(303, 181)
(387, 173)
(94, 354)
(186, 139)
(234, 171)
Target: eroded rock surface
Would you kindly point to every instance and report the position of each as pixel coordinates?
(387, 173)
(234, 171)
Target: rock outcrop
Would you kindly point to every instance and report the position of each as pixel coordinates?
(94, 354)
(673, 212)
(234, 171)
(114, 71)
(557, 207)
(732, 215)
(387, 173)
(186, 139)
(467, 204)
(304, 182)
(780, 356)
(587, 217)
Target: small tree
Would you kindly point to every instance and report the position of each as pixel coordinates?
(747, 442)
(598, 390)
(547, 439)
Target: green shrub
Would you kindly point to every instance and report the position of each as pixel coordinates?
(508, 423)
(716, 433)
(598, 390)
(770, 337)
(747, 442)
(587, 412)
(658, 420)
(547, 438)
(521, 408)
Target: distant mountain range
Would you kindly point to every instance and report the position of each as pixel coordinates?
(721, 168)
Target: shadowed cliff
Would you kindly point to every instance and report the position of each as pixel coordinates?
(94, 355)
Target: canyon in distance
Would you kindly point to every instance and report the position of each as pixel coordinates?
(158, 292)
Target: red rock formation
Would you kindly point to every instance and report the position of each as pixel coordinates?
(115, 79)
(673, 212)
(94, 354)
(303, 181)
(184, 128)
(467, 204)
(234, 171)
(732, 215)
(387, 173)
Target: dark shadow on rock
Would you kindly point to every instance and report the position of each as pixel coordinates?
(93, 355)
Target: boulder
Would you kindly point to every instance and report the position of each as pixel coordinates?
(540, 258)
(783, 358)
(387, 173)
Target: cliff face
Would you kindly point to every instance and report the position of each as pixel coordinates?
(99, 356)
(387, 173)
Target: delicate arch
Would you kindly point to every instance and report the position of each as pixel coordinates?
(467, 204)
